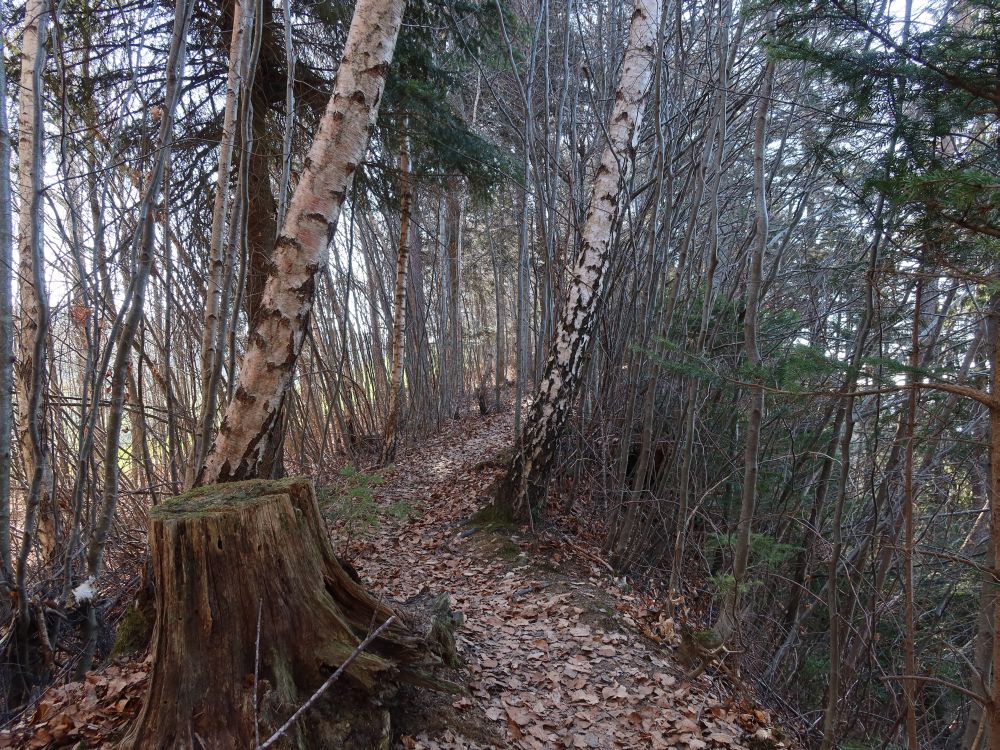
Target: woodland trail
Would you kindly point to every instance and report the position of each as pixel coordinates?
(556, 652)
(551, 643)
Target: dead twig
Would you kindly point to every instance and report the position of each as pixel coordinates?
(325, 686)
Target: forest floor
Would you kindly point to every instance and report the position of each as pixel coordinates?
(556, 651)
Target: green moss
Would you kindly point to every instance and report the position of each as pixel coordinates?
(134, 632)
(707, 638)
(221, 498)
(442, 633)
(492, 517)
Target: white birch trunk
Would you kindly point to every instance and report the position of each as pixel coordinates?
(301, 250)
(527, 477)
(6, 346)
(399, 312)
(31, 369)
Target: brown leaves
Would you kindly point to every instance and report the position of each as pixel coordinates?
(82, 712)
(555, 659)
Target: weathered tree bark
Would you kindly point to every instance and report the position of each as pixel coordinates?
(399, 309)
(262, 221)
(524, 487)
(301, 250)
(227, 557)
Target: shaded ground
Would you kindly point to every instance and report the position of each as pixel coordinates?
(557, 652)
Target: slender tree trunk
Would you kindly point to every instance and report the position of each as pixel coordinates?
(239, 49)
(728, 620)
(301, 249)
(994, 331)
(524, 487)
(521, 330)
(910, 661)
(501, 323)
(456, 360)
(6, 346)
(289, 129)
(982, 658)
(126, 326)
(621, 531)
(32, 369)
(399, 308)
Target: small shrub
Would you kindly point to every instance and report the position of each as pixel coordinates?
(352, 505)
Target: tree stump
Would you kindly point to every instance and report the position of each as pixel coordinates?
(223, 554)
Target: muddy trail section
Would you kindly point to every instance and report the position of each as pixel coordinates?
(557, 652)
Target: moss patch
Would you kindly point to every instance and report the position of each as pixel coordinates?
(134, 632)
(492, 517)
(221, 498)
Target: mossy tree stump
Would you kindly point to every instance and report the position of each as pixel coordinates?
(224, 553)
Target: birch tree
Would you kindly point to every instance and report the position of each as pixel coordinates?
(399, 301)
(522, 491)
(6, 342)
(33, 324)
(243, 18)
(276, 337)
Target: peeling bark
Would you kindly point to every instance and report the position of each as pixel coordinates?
(524, 487)
(301, 249)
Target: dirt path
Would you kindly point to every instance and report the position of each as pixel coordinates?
(552, 649)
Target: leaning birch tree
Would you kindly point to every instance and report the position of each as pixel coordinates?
(523, 488)
(301, 250)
